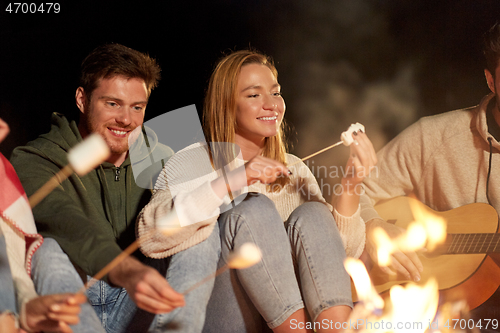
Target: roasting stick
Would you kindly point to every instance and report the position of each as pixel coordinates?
(113, 263)
(345, 138)
(316, 153)
(53, 182)
(168, 225)
(82, 158)
(247, 255)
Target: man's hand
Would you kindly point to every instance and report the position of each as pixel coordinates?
(406, 264)
(53, 312)
(146, 287)
(4, 130)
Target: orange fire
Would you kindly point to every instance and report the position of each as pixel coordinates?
(411, 308)
(364, 288)
(427, 231)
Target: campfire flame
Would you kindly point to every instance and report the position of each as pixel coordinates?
(413, 305)
(427, 231)
(410, 308)
(434, 225)
(364, 288)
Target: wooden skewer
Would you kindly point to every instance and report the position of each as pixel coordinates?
(316, 153)
(128, 251)
(246, 256)
(53, 182)
(206, 279)
(113, 263)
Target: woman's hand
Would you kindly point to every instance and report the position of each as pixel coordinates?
(53, 312)
(361, 162)
(263, 169)
(259, 168)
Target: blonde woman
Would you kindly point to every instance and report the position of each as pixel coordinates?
(300, 282)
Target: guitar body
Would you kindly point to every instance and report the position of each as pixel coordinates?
(474, 277)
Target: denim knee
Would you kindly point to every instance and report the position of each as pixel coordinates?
(253, 204)
(50, 245)
(50, 264)
(44, 255)
(319, 254)
(257, 214)
(311, 212)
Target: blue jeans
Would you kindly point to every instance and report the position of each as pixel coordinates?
(118, 313)
(302, 263)
(7, 295)
(53, 273)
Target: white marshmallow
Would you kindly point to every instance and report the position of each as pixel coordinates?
(247, 255)
(346, 136)
(168, 224)
(88, 154)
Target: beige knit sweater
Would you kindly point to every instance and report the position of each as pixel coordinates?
(442, 160)
(184, 187)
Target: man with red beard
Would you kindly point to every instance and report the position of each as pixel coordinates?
(93, 217)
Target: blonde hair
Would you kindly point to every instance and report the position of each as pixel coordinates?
(219, 107)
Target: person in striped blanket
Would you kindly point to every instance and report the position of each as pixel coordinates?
(21, 308)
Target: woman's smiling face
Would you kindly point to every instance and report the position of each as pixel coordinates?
(259, 105)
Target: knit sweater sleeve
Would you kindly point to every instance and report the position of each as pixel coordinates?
(351, 228)
(184, 197)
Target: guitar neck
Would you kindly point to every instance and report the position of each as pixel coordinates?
(472, 243)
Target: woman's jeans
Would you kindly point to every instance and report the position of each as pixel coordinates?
(302, 264)
(53, 273)
(7, 292)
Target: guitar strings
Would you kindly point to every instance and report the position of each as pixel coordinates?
(459, 241)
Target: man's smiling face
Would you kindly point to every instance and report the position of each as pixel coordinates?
(115, 108)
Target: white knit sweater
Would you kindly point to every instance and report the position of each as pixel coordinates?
(184, 186)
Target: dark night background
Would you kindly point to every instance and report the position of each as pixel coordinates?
(384, 63)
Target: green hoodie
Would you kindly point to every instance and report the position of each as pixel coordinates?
(92, 217)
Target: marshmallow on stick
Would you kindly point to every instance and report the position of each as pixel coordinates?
(167, 225)
(246, 256)
(345, 138)
(87, 155)
(82, 158)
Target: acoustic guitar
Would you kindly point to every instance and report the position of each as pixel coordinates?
(461, 265)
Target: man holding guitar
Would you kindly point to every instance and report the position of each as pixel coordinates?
(446, 161)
